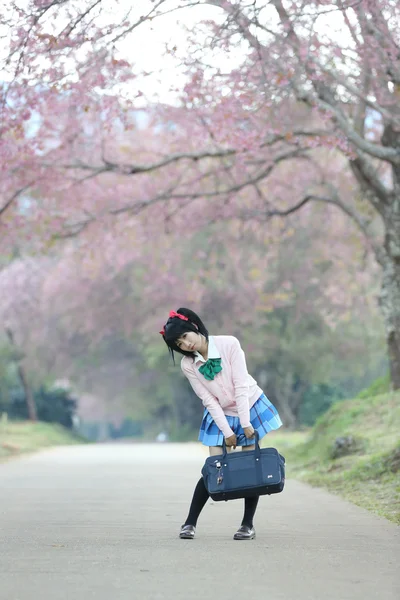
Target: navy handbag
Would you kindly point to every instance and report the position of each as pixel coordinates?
(257, 472)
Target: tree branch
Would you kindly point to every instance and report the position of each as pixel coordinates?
(237, 187)
(334, 199)
(150, 15)
(391, 155)
(358, 93)
(15, 196)
(368, 178)
(68, 30)
(348, 24)
(287, 137)
(136, 169)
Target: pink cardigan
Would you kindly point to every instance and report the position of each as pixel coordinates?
(233, 391)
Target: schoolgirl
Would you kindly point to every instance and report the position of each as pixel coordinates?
(234, 405)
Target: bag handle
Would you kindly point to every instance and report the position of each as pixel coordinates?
(239, 437)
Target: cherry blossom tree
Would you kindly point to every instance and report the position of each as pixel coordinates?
(97, 324)
(309, 111)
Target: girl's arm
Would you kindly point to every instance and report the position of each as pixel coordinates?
(209, 401)
(240, 378)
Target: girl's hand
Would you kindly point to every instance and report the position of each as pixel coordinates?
(231, 441)
(249, 432)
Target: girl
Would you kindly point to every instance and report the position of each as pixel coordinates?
(233, 403)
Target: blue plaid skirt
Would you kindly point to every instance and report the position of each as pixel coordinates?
(263, 416)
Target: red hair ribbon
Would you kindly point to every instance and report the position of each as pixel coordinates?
(172, 314)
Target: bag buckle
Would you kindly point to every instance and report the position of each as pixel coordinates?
(220, 476)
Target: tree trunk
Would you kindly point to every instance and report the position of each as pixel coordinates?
(289, 419)
(29, 399)
(390, 305)
(288, 402)
(390, 262)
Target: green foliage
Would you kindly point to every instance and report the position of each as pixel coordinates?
(316, 400)
(171, 404)
(300, 361)
(53, 405)
(183, 432)
(128, 429)
(379, 386)
(369, 477)
(8, 373)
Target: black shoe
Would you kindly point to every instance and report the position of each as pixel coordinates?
(187, 532)
(245, 533)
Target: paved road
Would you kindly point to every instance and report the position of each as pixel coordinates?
(101, 522)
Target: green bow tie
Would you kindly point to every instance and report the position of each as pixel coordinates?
(211, 368)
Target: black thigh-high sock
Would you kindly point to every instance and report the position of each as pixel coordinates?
(250, 506)
(200, 497)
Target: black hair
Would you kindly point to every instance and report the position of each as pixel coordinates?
(175, 327)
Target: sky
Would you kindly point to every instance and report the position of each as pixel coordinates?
(145, 47)
(149, 41)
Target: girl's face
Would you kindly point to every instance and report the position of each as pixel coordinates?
(189, 341)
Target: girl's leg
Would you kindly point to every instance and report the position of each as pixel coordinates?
(250, 507)
(200, 497)
(246, 530)
(250, 504)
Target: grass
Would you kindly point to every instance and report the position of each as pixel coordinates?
(370, 475)
(24, 437)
